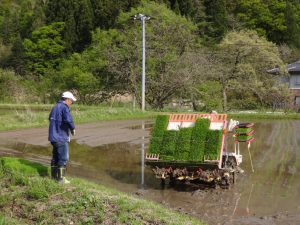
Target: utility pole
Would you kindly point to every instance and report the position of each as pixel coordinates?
(143, 18)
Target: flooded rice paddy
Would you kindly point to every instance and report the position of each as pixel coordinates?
(269, 195)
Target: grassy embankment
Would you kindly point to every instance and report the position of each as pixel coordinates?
(14, 116)
(26, 116)
(29, 196)
(265, 116)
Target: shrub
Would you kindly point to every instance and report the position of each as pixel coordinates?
(198, 139)
(10, 88)
(248, 103)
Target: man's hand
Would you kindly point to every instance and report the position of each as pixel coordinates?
(73, 132)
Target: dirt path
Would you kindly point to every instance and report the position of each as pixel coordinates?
(91, 134)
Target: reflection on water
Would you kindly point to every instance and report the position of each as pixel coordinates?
(143, 158)
(146, 126)
(274, 186)
(271, 190)
(112, 164)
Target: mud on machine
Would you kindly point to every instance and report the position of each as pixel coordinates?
(192, 147)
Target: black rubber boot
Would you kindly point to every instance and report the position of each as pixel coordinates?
(54, 172)
(61, 175)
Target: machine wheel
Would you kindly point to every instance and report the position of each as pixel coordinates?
(172, 181)
(162, 183)
(230, 163)
(233, 177)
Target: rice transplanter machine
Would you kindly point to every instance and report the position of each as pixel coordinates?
(219, 168)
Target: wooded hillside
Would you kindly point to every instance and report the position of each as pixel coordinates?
(214, 53)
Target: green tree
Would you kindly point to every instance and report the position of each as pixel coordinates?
(209, 96)
(216, 20)
(107, 11)
(17, 21)
(19, 18)
(292, 17)
(170, 66)
(77, 74)
(45, 49)
(175, 7)
(38, 15)
(5, 52)
(9, 26)
(16, 58)
(241, 65)
(78, 18)
(25, 22)
(266, 17)
(113, 61)
(192, 9)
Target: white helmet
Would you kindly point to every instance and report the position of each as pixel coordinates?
(69, 95)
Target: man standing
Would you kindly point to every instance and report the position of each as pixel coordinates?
(60, 127)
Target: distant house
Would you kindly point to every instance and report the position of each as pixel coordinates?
(294, 82)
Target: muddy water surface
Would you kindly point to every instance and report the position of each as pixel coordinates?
(269, 195)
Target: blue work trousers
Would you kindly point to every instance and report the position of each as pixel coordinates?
(60, 154)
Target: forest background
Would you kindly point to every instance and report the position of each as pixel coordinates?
(212, 53)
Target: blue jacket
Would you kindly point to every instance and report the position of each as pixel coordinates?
(61, 123)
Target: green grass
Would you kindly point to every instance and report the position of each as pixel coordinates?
(27, 168)
(27, 116)
(18, 116)
(264, 116)
(5, 220)
(41, 200)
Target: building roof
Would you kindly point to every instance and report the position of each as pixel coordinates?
(291, 68)
(294, 67)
